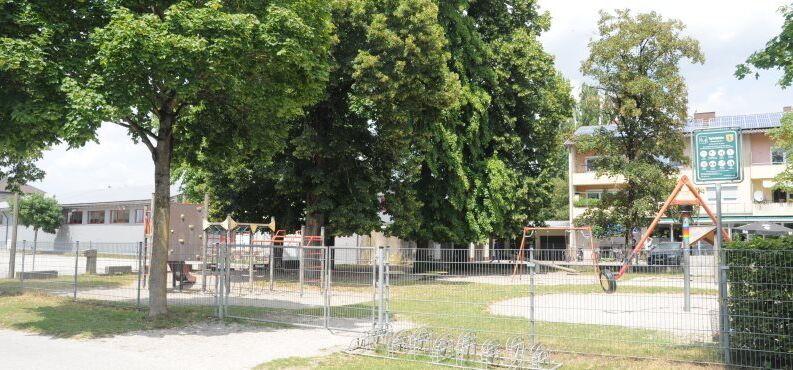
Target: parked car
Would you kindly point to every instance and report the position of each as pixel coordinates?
(665, 254)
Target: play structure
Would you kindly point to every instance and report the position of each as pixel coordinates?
(581, 238)
(256, 246)
(184, 243)
(684, 193)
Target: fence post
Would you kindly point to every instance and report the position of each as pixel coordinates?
(724, 318)
(325, 287)
(76, 263)
(686, 277)
(250, 265)
(217, 279)
(373, 260)
(221, 279)
(204, 261)
(22, 274)
(272, 264)
(532, 293)
(387, 288)
(380, 283)
(140, 270)
(300, 268)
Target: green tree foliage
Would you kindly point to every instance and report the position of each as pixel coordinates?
(196, 78)
(588, 106)
(778, 53)
(40, 213)
(389, 79)
(41, 42)
(635, 61)
(782, 137)
(485, 168)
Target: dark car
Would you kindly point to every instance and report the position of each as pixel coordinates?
(665, 254)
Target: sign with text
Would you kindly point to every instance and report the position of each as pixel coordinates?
(717, 156)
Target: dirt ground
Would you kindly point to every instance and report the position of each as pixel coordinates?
(201, 346)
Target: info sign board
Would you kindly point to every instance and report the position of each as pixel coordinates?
(717, 156)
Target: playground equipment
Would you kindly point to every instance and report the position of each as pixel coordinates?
(184, 242)
(250, 243)
(607, 279)
(570, 233)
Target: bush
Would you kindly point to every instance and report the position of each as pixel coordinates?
(760, 303)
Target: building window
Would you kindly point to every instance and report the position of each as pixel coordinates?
(589, 163)
(139, 216)
(96, 217)
(778, 156)
(119, 216)
(779, 196)
(593, 195)
(729, 193)
(75, 217)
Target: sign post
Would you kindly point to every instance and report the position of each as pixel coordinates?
(717, 159)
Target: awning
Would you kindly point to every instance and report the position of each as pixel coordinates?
(765, 228)
(732, 219)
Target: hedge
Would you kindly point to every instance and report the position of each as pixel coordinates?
(760, 303)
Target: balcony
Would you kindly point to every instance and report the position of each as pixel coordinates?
(765, 170)
(585, 175)
(772, 209)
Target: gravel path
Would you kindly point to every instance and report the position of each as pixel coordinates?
(202, 346)
(653, 311)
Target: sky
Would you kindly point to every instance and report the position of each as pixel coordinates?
(728, 32)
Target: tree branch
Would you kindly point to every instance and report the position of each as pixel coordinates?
(142, 133)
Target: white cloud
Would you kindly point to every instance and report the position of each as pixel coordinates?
(115, 161)
(728, 32)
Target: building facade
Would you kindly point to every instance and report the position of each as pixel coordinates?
(753, 199)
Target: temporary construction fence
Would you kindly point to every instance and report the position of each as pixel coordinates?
(448, 309)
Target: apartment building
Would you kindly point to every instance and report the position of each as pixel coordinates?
(753, 199)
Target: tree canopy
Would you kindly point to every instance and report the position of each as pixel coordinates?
(186, 79)
(389, 78)
(443, 115)
(40, 213)
(485, 168)
(635, 62)
(778, 53)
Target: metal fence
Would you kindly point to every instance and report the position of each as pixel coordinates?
(733, 307)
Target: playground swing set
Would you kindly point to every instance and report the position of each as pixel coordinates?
(684, 193)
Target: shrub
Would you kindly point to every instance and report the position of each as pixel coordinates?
(760, 303)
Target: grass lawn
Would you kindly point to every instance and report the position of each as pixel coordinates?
(65, 283)
(340, 361)
(60, 317)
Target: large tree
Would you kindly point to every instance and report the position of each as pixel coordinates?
(777, 54)
(183, 77)
(635, 62)
(389, 79)
(485, 168)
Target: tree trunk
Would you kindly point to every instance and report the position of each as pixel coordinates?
(160, 219)
(314, 223)
(422, 262)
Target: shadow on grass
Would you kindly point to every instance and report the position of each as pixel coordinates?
(62, 318)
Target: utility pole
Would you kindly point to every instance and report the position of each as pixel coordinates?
(12, 255)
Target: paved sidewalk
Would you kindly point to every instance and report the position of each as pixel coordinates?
(203, 346)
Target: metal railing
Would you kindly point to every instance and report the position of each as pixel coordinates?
(442, 306)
